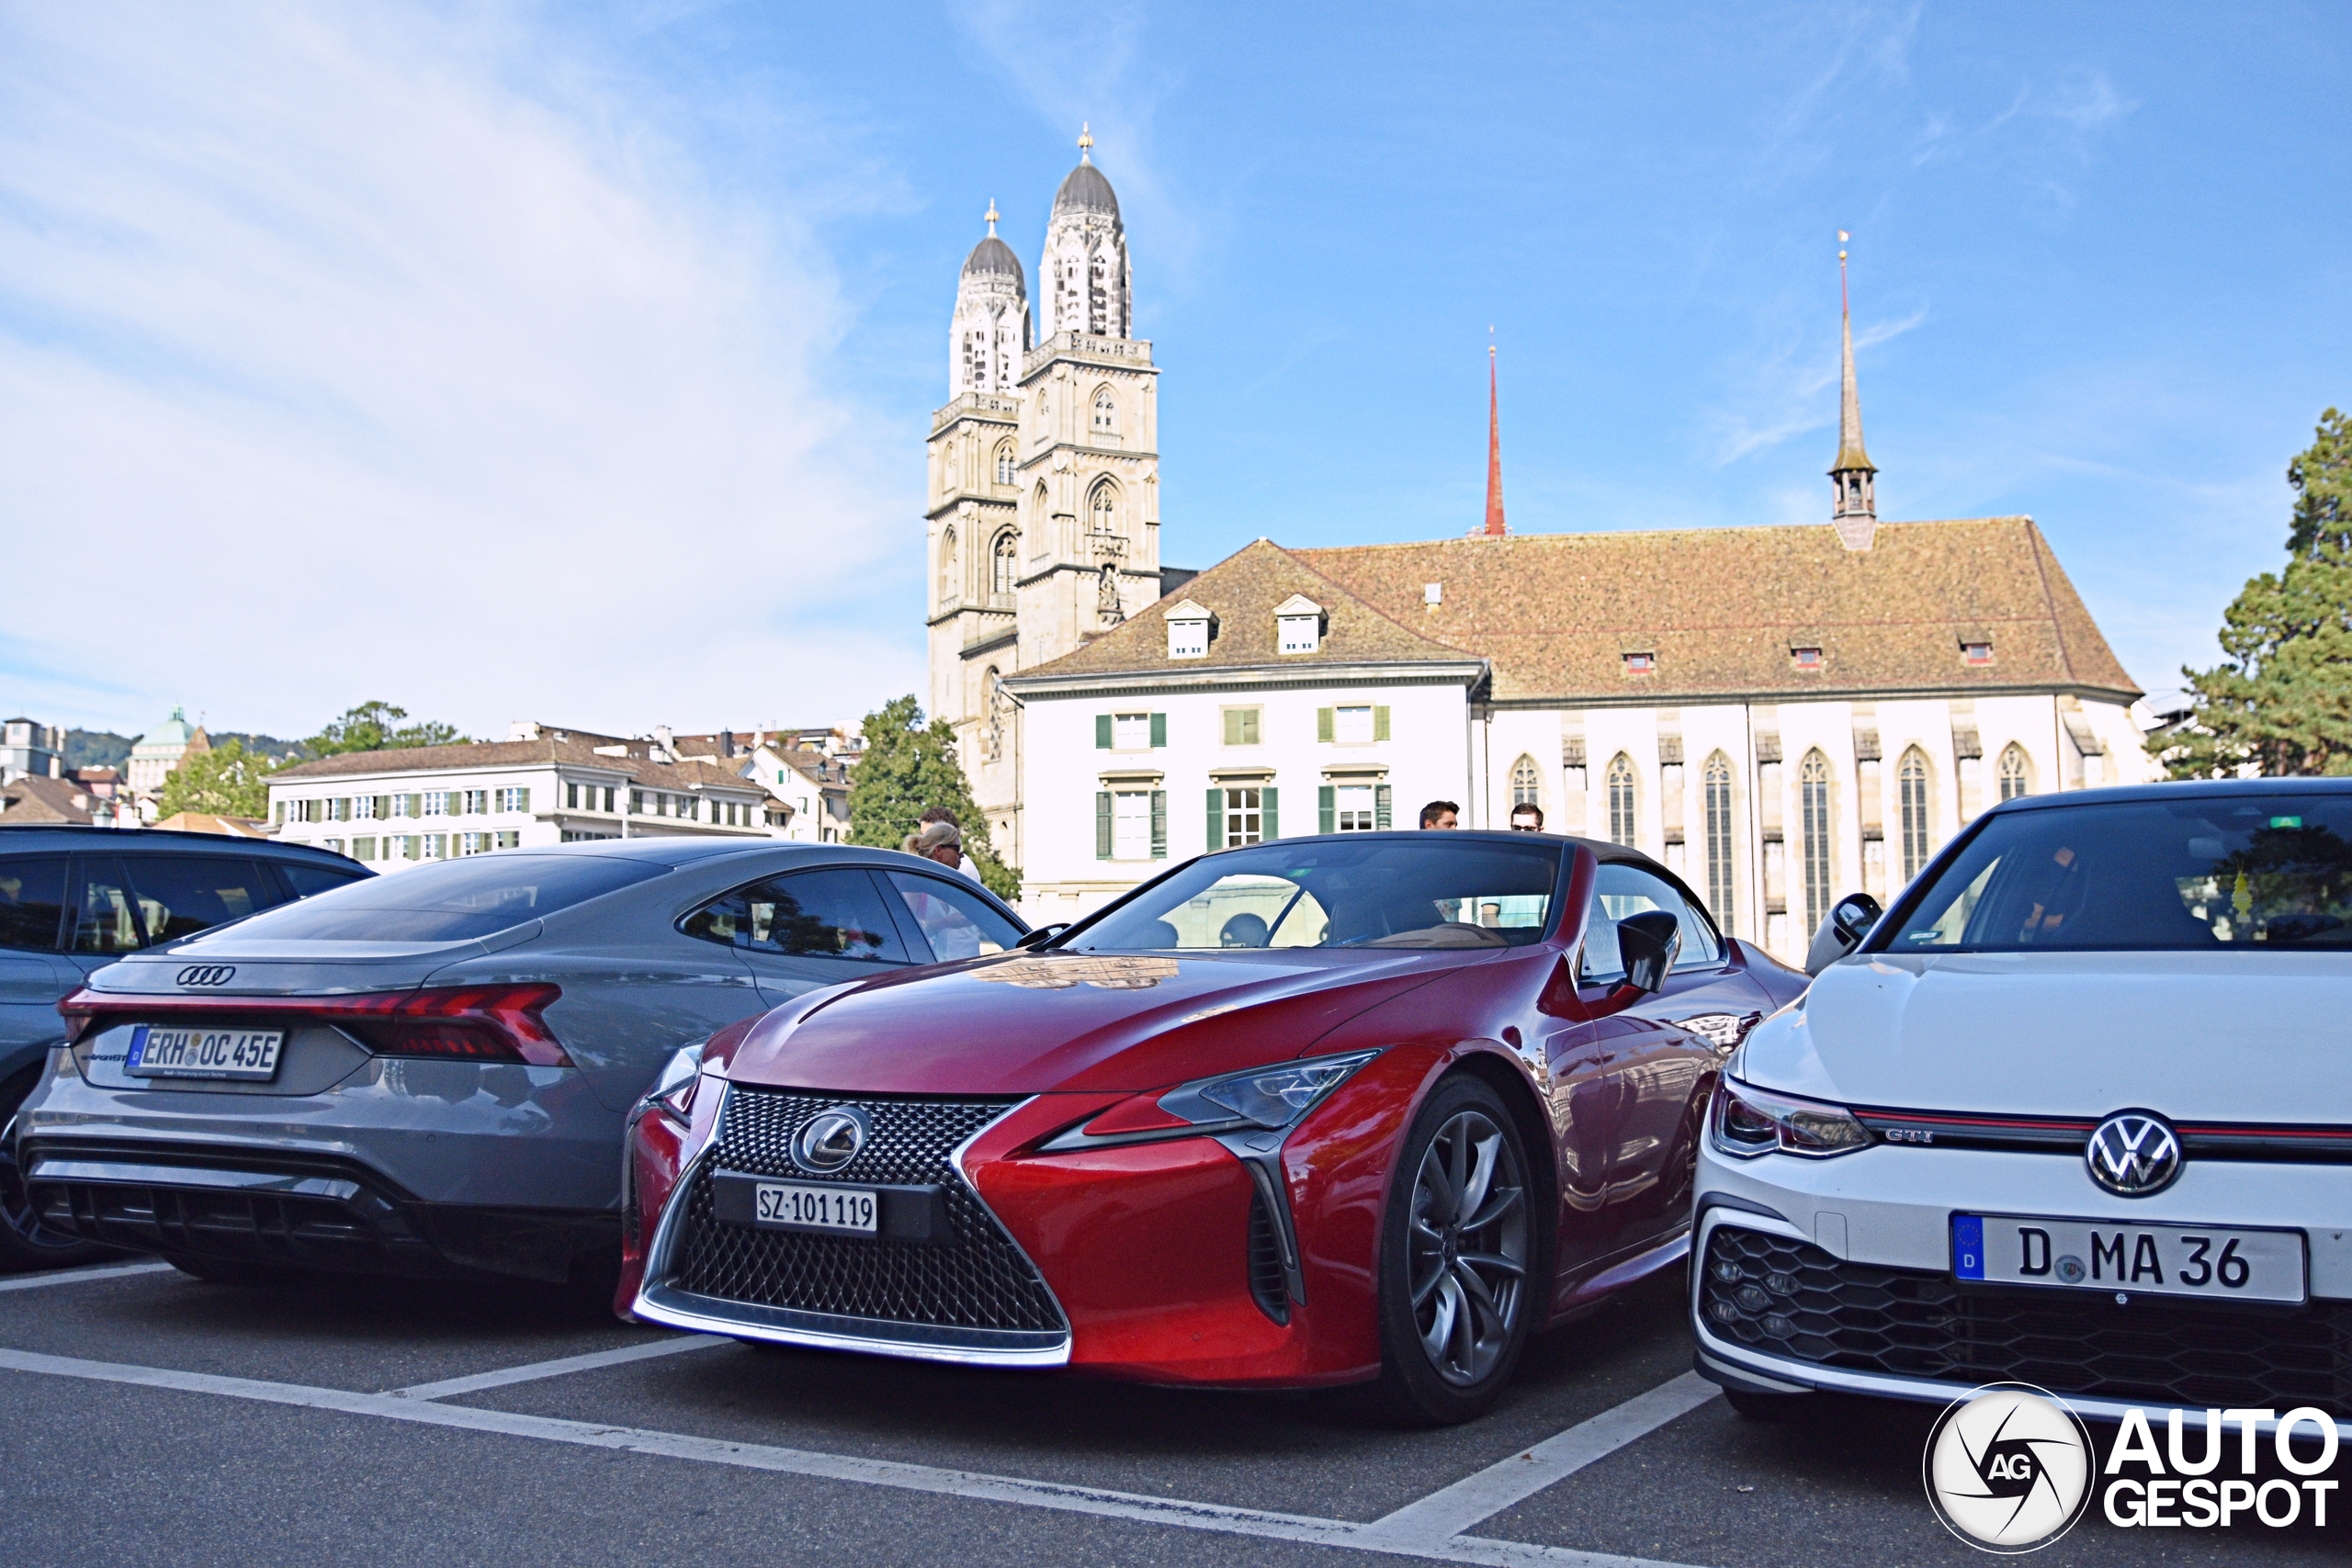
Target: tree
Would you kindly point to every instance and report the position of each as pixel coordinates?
(227, 781)
(376, 726)
(908, 767)
(2280, 702)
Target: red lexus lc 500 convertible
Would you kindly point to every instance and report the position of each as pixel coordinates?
(1316, 1112)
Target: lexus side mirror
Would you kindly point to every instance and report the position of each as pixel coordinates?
(1849, 921)
(1041, 936)
(1649, 943)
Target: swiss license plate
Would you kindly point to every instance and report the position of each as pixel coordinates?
(158, 1053)
(791, 1206)
(2212, 1262)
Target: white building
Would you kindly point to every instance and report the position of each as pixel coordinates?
(28, 748)
(805, 774)
(397, 809)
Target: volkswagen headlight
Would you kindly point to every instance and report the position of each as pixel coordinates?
(1744, 1121)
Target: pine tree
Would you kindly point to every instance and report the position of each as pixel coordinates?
(907, 768)
(2280, 702)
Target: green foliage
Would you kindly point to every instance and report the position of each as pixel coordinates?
(227, 781)
(2281, 700)
(908, 768)
(96, 749)
(376, 726)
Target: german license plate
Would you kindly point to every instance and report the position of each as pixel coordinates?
(157, 1053)
(791, 1206)
(2207, 1262)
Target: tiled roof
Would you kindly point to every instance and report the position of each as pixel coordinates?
(33, 798)
(510, 754)
(1242, 590)
(1722, 608)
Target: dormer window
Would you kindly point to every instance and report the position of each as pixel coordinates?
(1805, 657)
(1640, 663)
(1298, 623)
(1188, 631)
(1976, 652)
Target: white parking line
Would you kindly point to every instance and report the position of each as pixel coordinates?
(78, 1276)
(1208, 1517)
(668, 1344)
(1443, 1515)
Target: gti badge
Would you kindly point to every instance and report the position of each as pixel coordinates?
(206, 974)
(830, 1140)
(2134, 1153)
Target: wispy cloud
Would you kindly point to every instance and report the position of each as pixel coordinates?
(1795, 393)
(347, 352)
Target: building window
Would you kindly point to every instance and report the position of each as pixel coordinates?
(1976, 652)
(1526, 783)
(1621, 800)
(1106, 412)
(365, 807)
(1188, 640)
(1640, 663)
(510, 839)
(1805, 657)
(514, 800)
(1812, 810)
(477, 802)
(1911, 789)
(1003, 565)
(1716, 783)
(2013, 772)
(1241, 727)
(1131, 825)
(1245, 817)
(1301, 634)
(571, 797)
(436, 803)
(1353, 808)
(363, 848)
(947, 566)
(1352, 725)
(1131, 731)
(404, 805)
(1104, 508)
(1004, 464)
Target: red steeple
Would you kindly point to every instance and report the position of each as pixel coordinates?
(1494, 528)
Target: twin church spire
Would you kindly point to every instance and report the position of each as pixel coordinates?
(1084, 281)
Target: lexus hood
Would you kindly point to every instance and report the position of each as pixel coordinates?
(2251, 1036)
(1034, 1023)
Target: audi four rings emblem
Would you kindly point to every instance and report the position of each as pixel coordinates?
(2134, 1153)
(830, 1140)
(208, 975)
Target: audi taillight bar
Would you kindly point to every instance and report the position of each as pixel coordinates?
(481, 1023)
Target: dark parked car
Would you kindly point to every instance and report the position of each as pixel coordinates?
(75, 899)
(428, 1074)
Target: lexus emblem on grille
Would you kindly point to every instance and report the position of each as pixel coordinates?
(206, 974)
(830, 1140)
(2134, 1153)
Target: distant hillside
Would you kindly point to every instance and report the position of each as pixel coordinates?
(267, 745)
(104, 748)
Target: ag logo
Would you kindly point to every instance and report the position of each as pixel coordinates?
(2008, 1468)
(206, 974)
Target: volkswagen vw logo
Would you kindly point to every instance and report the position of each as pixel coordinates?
(830, 1140)
(2134, 1153)
(206, 974)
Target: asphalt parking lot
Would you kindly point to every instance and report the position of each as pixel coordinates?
(154, 1418)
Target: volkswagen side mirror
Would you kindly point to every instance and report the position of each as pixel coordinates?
(1849, 921)
(1649, 943)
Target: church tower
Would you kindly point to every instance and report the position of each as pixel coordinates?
(1044, 477)
(1853, 477)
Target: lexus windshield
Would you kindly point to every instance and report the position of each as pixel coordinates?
(2206, 872)
(1426, 890)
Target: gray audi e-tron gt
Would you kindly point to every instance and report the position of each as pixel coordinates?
(429, 1073)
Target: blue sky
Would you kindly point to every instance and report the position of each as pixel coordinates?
(574, 363)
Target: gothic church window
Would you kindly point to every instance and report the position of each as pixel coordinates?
(1911, 791)
(1003, 571)
(1621, 800)
(1526, 783)
(1105, 508)
(1004, 464)
(2013, 781)
(1716, 782)
(947, 566)
(1813, 809)
(1106, 413)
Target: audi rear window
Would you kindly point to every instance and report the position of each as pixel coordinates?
(452, 901)
(2204, 873)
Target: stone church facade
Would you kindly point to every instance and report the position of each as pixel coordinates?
(1780, 715)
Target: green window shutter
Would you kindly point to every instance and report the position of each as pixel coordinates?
(1271, 820)
(1249, 721)
(1380, 724)
(1103, 822)
(522, 796)
(1159, 823)
(1322, 724)
(1103, 731)
(1326, 803)
(1216, 819)
(1233, 727)
(1160, 730)
(1383, 809)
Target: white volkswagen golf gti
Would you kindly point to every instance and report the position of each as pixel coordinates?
(2077, 1113)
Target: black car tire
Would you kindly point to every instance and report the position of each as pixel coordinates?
(1470, 1287)
(25, 1242)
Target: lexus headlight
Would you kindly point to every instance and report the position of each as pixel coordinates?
(1744, 1121)
(1273, 1098)
(674, 1091)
